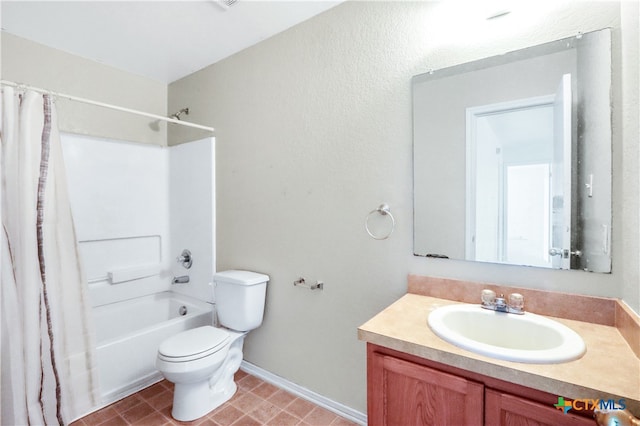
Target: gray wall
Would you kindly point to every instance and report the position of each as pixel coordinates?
(26, 62)
(313, 131)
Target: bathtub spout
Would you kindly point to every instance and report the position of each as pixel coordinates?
(180, 280)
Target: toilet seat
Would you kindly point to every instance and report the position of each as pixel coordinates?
(193, 344)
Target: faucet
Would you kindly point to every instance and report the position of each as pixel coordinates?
(500, 304)
(180, 280)
(514, 305)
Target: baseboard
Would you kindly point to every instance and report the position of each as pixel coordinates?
(311, 396)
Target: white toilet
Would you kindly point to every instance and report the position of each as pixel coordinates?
(201, 362)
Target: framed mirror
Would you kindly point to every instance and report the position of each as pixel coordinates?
(512, 157)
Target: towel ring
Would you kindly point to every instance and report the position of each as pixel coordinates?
(385, 211)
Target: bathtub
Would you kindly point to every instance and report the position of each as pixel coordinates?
(128, 334)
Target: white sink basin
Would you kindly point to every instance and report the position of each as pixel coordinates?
(527, 338)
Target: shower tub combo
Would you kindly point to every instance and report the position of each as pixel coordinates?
(128, 334)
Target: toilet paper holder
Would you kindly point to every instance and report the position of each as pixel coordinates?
(300, 282)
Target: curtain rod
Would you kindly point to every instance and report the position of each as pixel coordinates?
(105, 105)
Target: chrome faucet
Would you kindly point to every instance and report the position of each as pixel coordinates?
(180, 280)
(185, 259)
(500, 304)
(514, 305)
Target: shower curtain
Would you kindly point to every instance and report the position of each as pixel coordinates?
(47, 352)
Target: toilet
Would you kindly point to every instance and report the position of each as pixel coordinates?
(202, 361)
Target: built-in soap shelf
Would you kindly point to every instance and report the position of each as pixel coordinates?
(117, 276)
(120, 259)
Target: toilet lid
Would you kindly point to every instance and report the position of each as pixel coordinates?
(194, 343)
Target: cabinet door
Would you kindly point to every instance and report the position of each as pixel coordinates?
(404, 393)
(502, 409)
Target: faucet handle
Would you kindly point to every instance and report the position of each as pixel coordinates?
(488, 297)
(185, 259)
(516, 301)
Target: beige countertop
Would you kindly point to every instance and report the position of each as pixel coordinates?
(608, 370)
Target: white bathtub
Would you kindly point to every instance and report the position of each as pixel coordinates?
(128, 334)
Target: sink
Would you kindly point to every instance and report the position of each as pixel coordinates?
(527, 338)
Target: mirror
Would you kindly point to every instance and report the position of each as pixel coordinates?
(512, 157)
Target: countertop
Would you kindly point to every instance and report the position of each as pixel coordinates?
(608, 370)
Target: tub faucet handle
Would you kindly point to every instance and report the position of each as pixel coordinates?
(185, 259)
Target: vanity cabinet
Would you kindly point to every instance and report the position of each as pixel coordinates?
(406, 390)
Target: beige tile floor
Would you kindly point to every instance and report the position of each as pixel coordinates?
(255, 403)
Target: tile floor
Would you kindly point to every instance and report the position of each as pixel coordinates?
(255, 403)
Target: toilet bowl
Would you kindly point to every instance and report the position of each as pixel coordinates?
(201, 362)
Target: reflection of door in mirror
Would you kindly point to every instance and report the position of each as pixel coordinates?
(509, 158)
(519, 154)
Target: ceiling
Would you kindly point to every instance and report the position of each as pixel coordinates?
(162, 40)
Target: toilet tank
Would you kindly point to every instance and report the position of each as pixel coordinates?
(240, 297)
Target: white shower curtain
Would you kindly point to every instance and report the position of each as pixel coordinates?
(47, 357)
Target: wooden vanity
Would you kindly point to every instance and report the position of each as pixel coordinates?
(414, 377)
(408, 390)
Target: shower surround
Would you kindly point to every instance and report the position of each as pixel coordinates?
(136, 207)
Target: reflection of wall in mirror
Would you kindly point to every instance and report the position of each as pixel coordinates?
(440, 140)
(594, 166)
